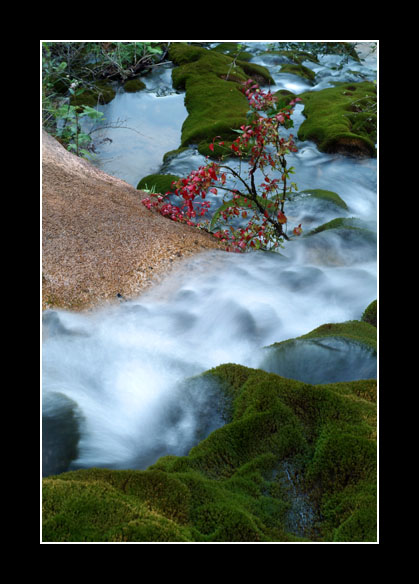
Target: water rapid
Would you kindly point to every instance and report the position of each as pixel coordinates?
(113, 379)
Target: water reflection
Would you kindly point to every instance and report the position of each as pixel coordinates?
(148, 124)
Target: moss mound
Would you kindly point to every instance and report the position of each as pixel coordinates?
(345, 223)
(294, 56)
(234, 50)
(325, 196)
(215, 103)
(294, 462)
(103, 92)
(300, 70)
(357, 330)
(133, 85)
(157, 183)
(370, 313)
(341, 119)
(335, 352)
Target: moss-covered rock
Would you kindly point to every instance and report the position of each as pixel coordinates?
(370, 313)
(300, 70)
(345, 223)
(234, 50)
(158, 183)
(335, 352)
(133, 85)
(284, 96)
(359, 331)
(293, 56)
(341, 119)
(286, 446)
(324, 195)
(214, 100)
(102, 93)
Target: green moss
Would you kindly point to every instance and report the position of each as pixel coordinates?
(300, 70)
(102, 93)
(233, 50)
(293, 462)
(284, 97)
(370, 313)
(233, 486)
(93, 506)
(157, 183)
(341, 119)
(326, 196)
(133, 85)
(346, 225)
(356, 330)
(214, 100)
(296, 57)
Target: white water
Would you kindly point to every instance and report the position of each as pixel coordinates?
(120, 370)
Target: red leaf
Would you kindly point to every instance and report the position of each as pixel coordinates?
(281, 217)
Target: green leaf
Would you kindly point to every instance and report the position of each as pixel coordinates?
(92, 113)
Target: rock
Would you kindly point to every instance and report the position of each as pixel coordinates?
(331, 353)
(342, 119)
(98, 239)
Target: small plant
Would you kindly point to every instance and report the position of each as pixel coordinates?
(69, 131)
(71, 68)
(251, 216)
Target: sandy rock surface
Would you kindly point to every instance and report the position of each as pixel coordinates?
(98, 240)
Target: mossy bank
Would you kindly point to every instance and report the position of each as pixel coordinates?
(284, 441)
(214, 100)
(293, 462)
(342, 119)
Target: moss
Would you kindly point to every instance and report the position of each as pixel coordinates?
(214, 100)
(284, 97)
(102, 93)
(300, 70)
(370, 313)
(346, 224)
(296, 57)
(293, 462)
(231, 485)
(256, 72)
(341, 119)
(133, 85)
(326, 196)
(356, 330)
(86, 507)
(173, 153)
(233, 50)
(158, 183)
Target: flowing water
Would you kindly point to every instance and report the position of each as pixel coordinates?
(113, 379)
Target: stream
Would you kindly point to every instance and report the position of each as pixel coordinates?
(113, 393)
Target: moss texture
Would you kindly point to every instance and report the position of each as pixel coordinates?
(325, 196)
(370, 313)
(300, 70)
(295, 56)
(158, 183)
(233, 50)
(346, 223)
(294, 462)
(356, 330)
(215, 103)
(102, 93)
(133, 85)
(341, 119)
